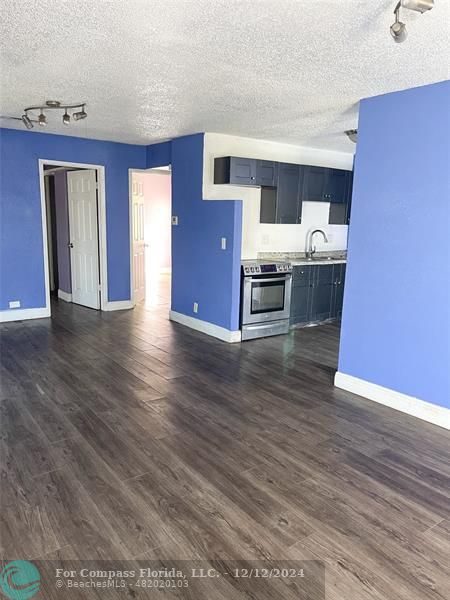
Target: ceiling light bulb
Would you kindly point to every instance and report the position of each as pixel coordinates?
(42, 119)
(27, 121)
(399, 32)
(82, 114)
(66, 118)
(418, 5)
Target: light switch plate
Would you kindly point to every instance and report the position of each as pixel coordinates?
(223, 243)
(14, 304)
(174, 220)
(196, 307)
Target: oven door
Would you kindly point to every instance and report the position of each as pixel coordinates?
(266, 298)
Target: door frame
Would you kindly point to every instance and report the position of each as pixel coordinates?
(102, 245)
(152, 170)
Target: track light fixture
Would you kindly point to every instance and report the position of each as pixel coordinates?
(51, 105)
(42, 119)
(82, 114)
(398, 29)
(27, 121)
(418, 5)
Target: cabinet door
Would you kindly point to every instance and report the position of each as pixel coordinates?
(322, 293)
(336, 187)
(349, 198)
(300, 305)
(242, 171)
(288, 187)
(268, 212)
(266, 172)
(300, 300)
(314, 184)
(340, 212)
(337, 214)
(339, 293)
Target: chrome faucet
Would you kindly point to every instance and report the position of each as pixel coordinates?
(310, 249)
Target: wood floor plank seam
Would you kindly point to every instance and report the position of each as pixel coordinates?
(245, 451)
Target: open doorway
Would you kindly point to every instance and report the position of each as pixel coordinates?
(75, 229)
(151, 256)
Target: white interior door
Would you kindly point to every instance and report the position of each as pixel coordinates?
(137, 198)
(83, 227)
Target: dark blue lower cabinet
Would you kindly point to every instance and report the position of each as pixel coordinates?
(317, 293)
(301, 281)
(338, 292)
(321, 301)
(300, 304)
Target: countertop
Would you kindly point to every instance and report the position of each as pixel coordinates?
(316, 261)
(299, 258)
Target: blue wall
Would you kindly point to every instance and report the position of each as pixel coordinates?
(201, 271)
(396, 320)
(21, 257)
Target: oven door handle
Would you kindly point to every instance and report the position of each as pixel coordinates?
(269, 279)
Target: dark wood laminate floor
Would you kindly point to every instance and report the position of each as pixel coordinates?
(124, 436)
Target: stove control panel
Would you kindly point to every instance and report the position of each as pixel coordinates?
(265, 269)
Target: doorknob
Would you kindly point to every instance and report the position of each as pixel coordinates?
(70, 245)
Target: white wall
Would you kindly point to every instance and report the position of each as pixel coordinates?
(263, 237)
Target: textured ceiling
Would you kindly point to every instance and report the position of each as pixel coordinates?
(285, 70)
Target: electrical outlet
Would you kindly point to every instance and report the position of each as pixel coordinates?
(14, 304)
(174, 220)
(330, 237)
(196, 307)
(223, 243)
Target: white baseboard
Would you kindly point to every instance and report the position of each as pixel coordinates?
(118, 305)
(209, 328)
(23, 314)
(433, 413)
(64, 296)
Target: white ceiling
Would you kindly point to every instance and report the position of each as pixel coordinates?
(285, 70)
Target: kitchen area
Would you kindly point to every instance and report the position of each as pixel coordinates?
(299, 282)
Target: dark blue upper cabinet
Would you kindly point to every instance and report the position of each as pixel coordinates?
(322, 184)
(235, 170)
(288, 193)
(314, 184)
(340, 211)
(336, 186)
(243, 171)
(266, 173)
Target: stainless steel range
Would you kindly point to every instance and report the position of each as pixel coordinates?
(265, 298)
